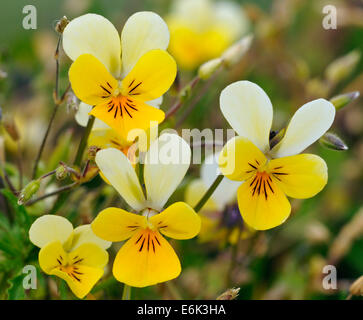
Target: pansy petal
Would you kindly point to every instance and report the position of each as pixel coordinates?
(146, 259)
(88, 254)
(301, 176)
(82, 117)
(156, 103)
(127, 121)
(107, 138)
(119, 172)
(166, 164)
(227, 189)
(143, 31)
(84, 234)
(51, 256)
(49, 228)
(114, 224)
(90, 80)
(240, 158)
(248, 110)
(263, 205)
(83, 281)
(179, 221)
(307, 125)
(95, 35)
(151, 77)
(194, 192)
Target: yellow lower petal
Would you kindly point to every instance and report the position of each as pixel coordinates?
(262, 203)
(146, 259)
(127, 121)
(240, 158)
(301, 176)
(81, 280)
(51, 256)
(88, 254)
(179, 221)
(114, 224)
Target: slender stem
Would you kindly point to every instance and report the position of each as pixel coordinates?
(60, 190)
(126, 294)
(209, 193)
(233, 261)
(83, 143)
(56, 90)
(177, 105)
(173, 291)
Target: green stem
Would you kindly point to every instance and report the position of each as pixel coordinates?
(209, 193)
(83, 143)
(126, 294)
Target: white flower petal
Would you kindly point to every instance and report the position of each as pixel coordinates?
(143, 31)
(82, 117)
(306, 126)
(93, 34)
(226, 192)
(156, 103)
(84, 234)
(248, 110)
(166, 164)
(49, 228)
(119, 172)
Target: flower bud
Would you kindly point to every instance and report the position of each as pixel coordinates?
(206, 70)
(342, 100)
(29, 190)
(230, 294)
(11, 128)
(61, 24)
(234, 53)
(332, 141)
(340, 68)
(61, 172)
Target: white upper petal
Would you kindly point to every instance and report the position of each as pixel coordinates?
(156, 103)
(166, 164)
(82, 117)
(93, 34)
(226, 192)
(143, 31)
(84, 234)
(248, 110)
(49, 228)
(119, 172)
(307, 125)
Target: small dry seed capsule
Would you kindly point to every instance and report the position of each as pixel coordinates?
(61, 172)
(332, 141)
(61, 24)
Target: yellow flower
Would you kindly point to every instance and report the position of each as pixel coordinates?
(147, 258)
(221, 219)
(120, 86)
(270, 175)
(201, 30)
(77, 256)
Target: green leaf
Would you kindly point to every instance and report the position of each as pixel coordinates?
(16, 290)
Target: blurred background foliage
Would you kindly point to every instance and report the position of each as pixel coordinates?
(292, 57)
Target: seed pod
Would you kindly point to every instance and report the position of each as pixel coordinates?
(332, 141)
(234, 53)
(230, 294)
(342, 100)
(29, 190)
(206, 70)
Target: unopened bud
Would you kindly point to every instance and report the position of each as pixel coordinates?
(61, 24)
(61, 172)
(206, 70)
(29, 190)
(234, 53)
(92, 150)
(332, 141)
(275, 137)
(341, 68)
(356, 289)
(230, 294)
(11, 128)
(342, 100)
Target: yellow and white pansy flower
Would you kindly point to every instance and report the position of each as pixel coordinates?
(202, 29)
(147, 258)
(270, 175)
(221, 219)
(121, 85)
(77, 255)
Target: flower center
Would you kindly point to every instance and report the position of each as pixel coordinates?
(70, 268)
